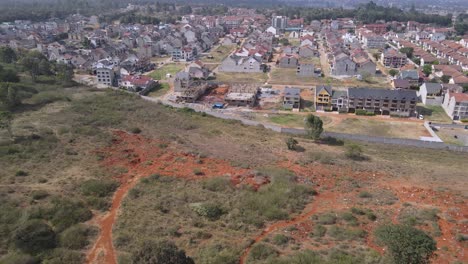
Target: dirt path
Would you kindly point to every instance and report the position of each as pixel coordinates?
(327, 196)
(103, 250)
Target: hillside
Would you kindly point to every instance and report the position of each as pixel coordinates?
(221, 191)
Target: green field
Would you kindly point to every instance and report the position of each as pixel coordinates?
(219, 54)
(171, 68)
(434, 113)
(160, 91)
(233, 77)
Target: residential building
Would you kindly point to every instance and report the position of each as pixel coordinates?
(401, 84)
(306, 70)
(339, 101)
(288, 61)
(182, 81)
(456, 105)
(279, 22)
(291, 98)
(107, 72)
(431, 93)
(411, 76)
(383, 101)
(242, 95)
(137, 83)
(236, 63)
(343, 66)
(323, 97)
(393, 59)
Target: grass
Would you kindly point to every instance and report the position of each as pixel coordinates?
(290, 120)
(237, 77)
(160, 91)
(375, 127)
(434, 113)
(171, 68)
(219, 54)
(448, 136)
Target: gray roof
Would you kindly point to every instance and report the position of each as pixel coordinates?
(337, 94)
(432, 88)
(292, 91)
(382, 94)
(327, 88)
(409, 75)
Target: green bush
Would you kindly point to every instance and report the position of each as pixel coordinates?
(135, 130)
(327, 219)
(319, 231)
(406, 244)
(163, 252)
(39, 194)
(208, 210)
(218, 254)
(354, 152)
(98, 188)
(280, 239)
(61, 256)
(98, 203)
(262, 251)
(365, 194)
(218, 184)
(63, 213)
(346, 234)
(21, 173)
(76, 237)
(34, 237)
(16, 258)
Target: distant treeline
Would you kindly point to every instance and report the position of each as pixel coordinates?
(40, 10)
(367, 13)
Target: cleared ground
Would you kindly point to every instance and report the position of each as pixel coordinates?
(160, 91)
(169, 68)
(231, 77)
(219, 54)
(434, 113)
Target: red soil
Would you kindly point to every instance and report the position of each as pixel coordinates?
(142, 157)
(336, 197)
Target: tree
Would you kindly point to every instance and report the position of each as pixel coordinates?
(34, 236)
(408, 51)
(9, 97)
(291, 143)
(65, 74)
(163, 252)
(406, 244)
(393, 72)
(376, 56)
(284, 41)
(313, 126)
(465, 88)
(445, 78)
(427, 69)
(6, 118)
(8, 76)
(7, 55)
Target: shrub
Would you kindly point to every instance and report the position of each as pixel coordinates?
(357, 211)
(262, 251)
(135, 130)
(39, 194)
(76, 237)
(98, 188)
(354, 152)
(60, 256)
(21, 173)
(348, 217)
(34, 237)
(280, 239)
(217, 184)
(291, 143)
(218, 254)
(406, 244)
(345, 234)
(163, 252)
(365, 194)
(208, 210)
(98, 203)
(319, 231)
(16, 258)
(65, 213)
(327, 219)
(197, 172)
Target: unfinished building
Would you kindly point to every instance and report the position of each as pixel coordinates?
(242, 95)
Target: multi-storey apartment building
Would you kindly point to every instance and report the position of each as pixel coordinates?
(456, 105)
(382, 101)
(393, 58)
